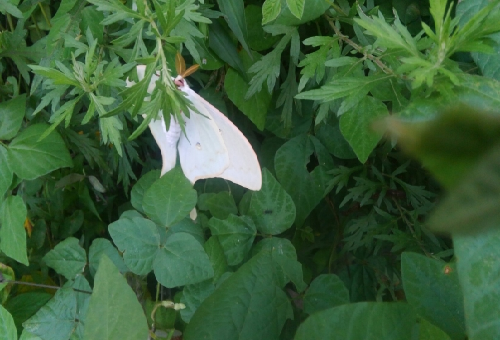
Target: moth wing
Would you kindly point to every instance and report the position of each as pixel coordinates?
(166, 140)
(244, 168)
(202, 151)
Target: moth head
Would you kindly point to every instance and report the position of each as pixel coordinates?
(180, 67)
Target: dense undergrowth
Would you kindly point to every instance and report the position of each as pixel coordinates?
(348, 238)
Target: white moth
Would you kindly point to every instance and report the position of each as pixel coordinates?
(211, 146)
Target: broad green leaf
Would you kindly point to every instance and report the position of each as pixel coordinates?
(258, 39)
(11, 116)
(296, 7)
(488, 63)
(58, 319)
(432, 288)
(221, 205)
(216, 256)
(270, 10)
(235, 234)
(24, 306)
(169, 199)
(478, 92)
(285, 258)
(30, 158)
(234, 11)
(330, 136)
(12, 233)
(98, 248)
(356, 126)
(250, 303)
(182, 261)
(223, 46)
(72, 224)
(114, 311)
(479, 273)
(5, 171)
(68, 258)
(326, 291)
(474, 201)
(450, 145)
(427, 331)
(312, 10)
(362, 320)
(142, 185)
(139, 240)
(306, 188)
(188, 226)
(8, 329)
(236, 87)
(271, 208)
(91, 19)
(193, 296)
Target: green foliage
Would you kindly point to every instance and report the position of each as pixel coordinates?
(338, 243)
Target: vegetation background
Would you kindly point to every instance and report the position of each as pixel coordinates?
(341, 241)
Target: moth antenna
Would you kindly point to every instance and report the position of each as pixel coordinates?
(190, 70)
(180, 63)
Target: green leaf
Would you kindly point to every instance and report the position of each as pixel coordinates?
(363, 320)
(170, 198)
(110, 131)
(68, 258)
(326, 291)
(394, 36)
(356, 126)
(7, 7)
(193, 296)
(306, 188)
(114, 311)
(11, 116)
(330, 136)
(313, 10)
(234, 11)
(479, 272)
(188, 226)
(182, 261)
(474, 201)
(427, 331)
(139, 240)
(432, 288)
(215, 253)
(223, 46)
(100, 247)
(25, 305)
(271, 208)
(236, 87)
(249, 301)
(451, 145)
(5, 172)
(221, 205)
(140, 188)
(235, 234)
(258, 39)
(8, 329)
(296, 7)
(58, 77)
(270, 10)
(30, 158)
(58, 319)
(343, 87)
(12, 234)
(284, 256)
